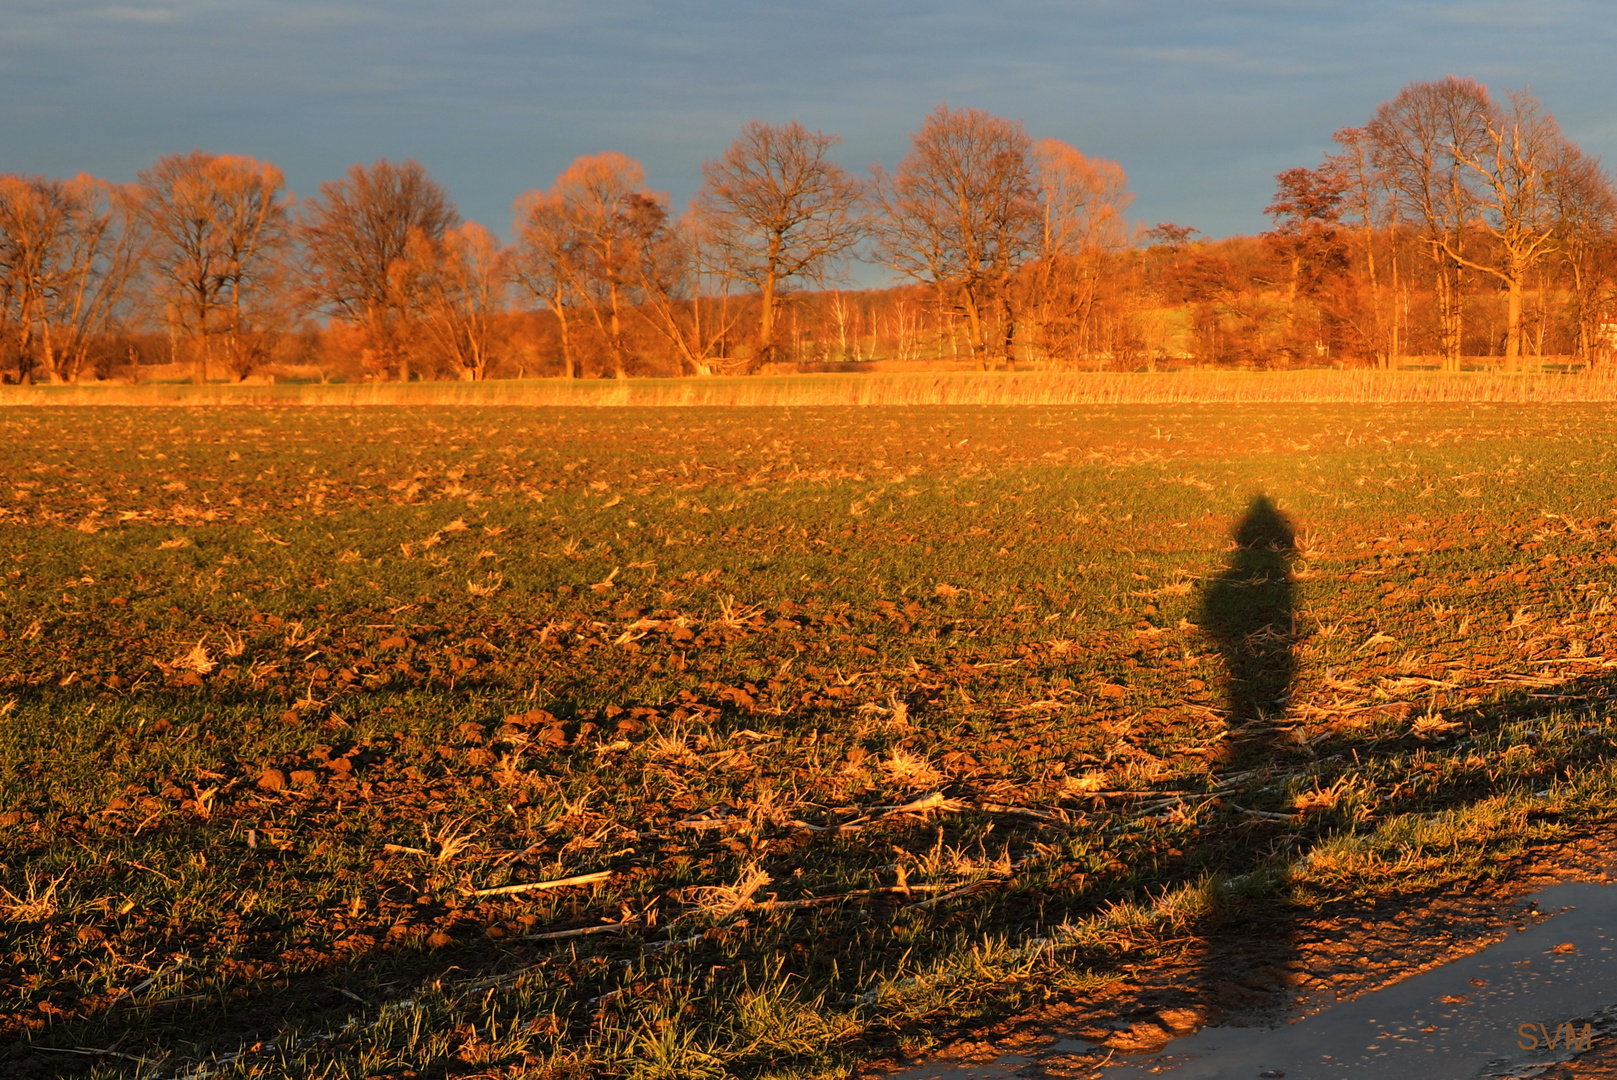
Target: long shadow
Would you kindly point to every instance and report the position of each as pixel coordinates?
(1248, 611)
(1242, 963)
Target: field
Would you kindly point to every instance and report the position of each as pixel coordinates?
(835, 731)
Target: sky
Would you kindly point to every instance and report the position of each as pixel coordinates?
(1201, 103)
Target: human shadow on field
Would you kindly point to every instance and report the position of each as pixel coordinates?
(1249, 610)
(1257, 948)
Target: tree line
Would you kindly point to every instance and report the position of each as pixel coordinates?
(1452, 225)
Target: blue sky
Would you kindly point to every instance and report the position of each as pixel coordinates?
(1202, 103)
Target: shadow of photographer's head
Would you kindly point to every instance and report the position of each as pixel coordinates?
(1265, 528)
(1248, 612)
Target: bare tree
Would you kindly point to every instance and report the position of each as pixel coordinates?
(1368, 205)
(67, 251)
(595, 240)
(218, 227)
(1513, 165)
(960, 213)
(906, 332)
(677, 263)
(610, 220)
(1586, 215)
(545, 261)
(455, 287)
(1458, 163)
(1171, 238)
(354, 233)
(1422, 141)
(845, 315)
(775, 208)
(1081, 201)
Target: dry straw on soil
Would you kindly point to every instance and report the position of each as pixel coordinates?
(909, 388)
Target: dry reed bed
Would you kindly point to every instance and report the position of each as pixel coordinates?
(940, 388)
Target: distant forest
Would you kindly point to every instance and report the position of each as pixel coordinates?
(1453, 229)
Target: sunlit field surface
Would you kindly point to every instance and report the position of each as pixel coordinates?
(857, 725)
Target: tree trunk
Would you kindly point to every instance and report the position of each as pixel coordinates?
(1448, 299)
(1513, 324)
(1580, 298)
(566, 342)
(765, 350)
(974, 333)
(53, 372)
(618, 371)
(1291, 293)
(1379, 342)
(1007, 337)
(24, 352)
(1398, 301)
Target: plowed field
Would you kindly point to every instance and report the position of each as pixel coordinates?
(853, 726)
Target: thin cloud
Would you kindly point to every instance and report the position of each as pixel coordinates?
(1201, 104)
(1226, 59)
(137, 15)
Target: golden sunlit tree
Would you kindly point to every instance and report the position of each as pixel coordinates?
(218, 230)
(1513, 167)
(355, 232)
(1369, 210)
(544, 261)
(1422, 140)
(1477, 179)
(1586, 217)
(609, 219)
(455, 287)
(1081, 202)
(960, 213)
(775, 208)
(597, 241)
(67, 251)
(684, 294)
(1307, 209)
